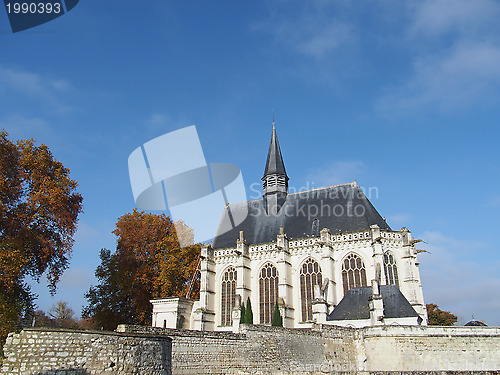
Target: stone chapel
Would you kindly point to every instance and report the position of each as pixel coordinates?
(324, 255)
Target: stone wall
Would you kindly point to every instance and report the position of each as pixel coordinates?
(388, 350)
(199, 352)
(258, 349)
(58, 351)
(410, 348)
(332, 349)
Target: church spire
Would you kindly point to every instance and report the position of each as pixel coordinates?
(274, 164)
(275, 180)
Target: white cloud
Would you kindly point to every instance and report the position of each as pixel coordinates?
(456, 57)
(338, 172)
(435, 18)
(76, 277)
(158, 120)
(19, 126)
(458, 278)
(463, 75)
(29, 84)
(86, 234)
(495, 201)
(314, 28)
(399, 220)
(322, 40)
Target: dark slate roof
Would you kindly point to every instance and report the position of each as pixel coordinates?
(355, 304)
(475, 323)
(340, 208)
(274, 163)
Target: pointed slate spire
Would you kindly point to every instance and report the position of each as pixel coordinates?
(274, 164)
(275, 180)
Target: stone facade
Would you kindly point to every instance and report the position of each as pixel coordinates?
(58, 351)
(328, 250)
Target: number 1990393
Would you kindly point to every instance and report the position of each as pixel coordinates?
(33, 8)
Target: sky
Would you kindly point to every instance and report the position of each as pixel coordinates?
(401, 96)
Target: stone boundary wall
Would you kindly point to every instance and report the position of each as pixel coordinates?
(258, 350)
(430, 348)
(331, 349)
(199, 352)
(44, 351)
(325, 349)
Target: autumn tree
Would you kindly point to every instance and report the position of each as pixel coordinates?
(437, 317)
(60, 315)
(39, 209)
(148, 263)
(63, 315)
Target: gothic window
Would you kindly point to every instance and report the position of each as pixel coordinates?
(315, 228)
(353, 273)
(310, 275)
(390, 269)
(268, 292)
(228, 296)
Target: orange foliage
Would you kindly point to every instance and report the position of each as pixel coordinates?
(438, 317)
(39, 209)
(148, 263)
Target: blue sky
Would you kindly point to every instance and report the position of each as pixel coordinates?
(402, 96)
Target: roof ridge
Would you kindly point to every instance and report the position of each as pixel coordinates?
(353, 184)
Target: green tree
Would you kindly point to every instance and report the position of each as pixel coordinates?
(437, 317)
(148, 263)
(248, 312)
(277, 320)
(242, 312)
(109, 303)
(39, 209)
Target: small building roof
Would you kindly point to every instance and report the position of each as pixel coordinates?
(355, 304)
(476, 323)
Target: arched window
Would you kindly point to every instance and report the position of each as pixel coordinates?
(268, 292)
(228, 296)
(310, 275)
(353, 273)
(390, 269)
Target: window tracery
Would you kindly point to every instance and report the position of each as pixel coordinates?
(353, 273)
(268, 292)
(310, 275)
